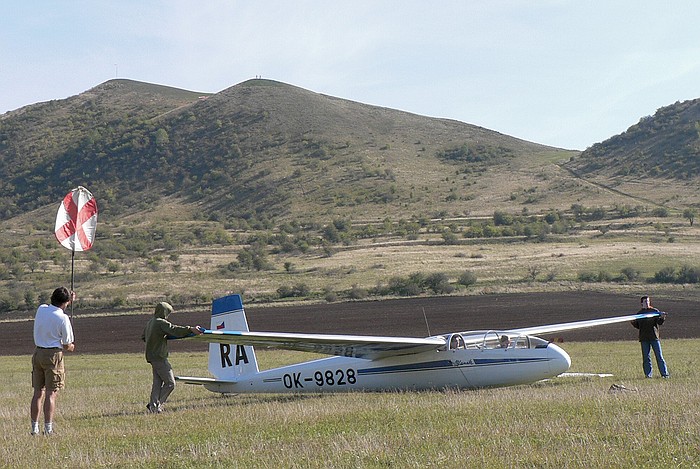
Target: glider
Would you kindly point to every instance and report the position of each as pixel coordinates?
(459, 360)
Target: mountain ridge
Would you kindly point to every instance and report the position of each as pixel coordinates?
(266, 149)
(264, 141)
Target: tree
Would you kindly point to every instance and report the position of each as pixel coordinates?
(253, 258)
(690, 214)
(162, 138)
(449, 237)
(502, 218)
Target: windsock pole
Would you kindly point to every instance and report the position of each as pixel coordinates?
(72, 280)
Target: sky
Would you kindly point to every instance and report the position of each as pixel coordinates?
(562, 73)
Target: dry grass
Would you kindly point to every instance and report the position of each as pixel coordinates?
(500, 266)
(565, 422)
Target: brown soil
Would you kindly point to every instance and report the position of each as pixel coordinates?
(402, 317)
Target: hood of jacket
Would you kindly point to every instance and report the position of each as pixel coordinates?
(163, 309)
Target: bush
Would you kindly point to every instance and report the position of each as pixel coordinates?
(118, 302)
(665, 275)
(604, 276)
(404, 286)
(30, 299)
(357, 293)
(330, 297)
(688, 274)
(532, 272)
(449, 237)
(467, 278)
(660, 212)
(600, 276)
(9, 303)
(298, 290)
(587, 276)
(439, 283)
(502, 218)
(630, 273)
(416, 284)
(253, 258)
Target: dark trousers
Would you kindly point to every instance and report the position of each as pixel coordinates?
(163, 381)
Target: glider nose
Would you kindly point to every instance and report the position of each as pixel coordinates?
(559, 360)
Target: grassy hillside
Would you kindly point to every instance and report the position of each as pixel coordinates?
(89, 139)
(656, 161)
(265, 150)
(258, 149)
(281, 192)
(665, 145)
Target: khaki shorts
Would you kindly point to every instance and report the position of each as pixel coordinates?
(47, 369)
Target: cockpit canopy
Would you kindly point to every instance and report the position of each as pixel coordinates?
(482, 340)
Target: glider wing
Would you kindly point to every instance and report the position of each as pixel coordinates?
(372, 347)
(570, 326)
(368, 347)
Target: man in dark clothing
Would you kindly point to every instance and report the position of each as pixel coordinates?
(649, 338)
(156, 334)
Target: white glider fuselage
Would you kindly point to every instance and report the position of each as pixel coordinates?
(459, 369)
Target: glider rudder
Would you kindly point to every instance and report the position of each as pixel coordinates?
(230, 361)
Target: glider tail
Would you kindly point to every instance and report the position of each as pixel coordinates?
(229, 361)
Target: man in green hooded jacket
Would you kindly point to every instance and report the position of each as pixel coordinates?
(156, 334)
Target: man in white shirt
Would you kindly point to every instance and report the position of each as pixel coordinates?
(53, 334)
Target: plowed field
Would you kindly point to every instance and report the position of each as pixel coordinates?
(401, 317)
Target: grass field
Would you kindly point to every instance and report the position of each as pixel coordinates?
(566, 422)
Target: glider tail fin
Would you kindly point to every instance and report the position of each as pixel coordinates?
(230, 361)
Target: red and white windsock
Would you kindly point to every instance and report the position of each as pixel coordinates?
(76, 220)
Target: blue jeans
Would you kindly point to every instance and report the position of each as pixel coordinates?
(647, 346)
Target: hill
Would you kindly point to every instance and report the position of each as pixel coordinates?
(655, 163)
(280, 192)
(665, 145)
(258, 149)
(267, 150)
(48, 147)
